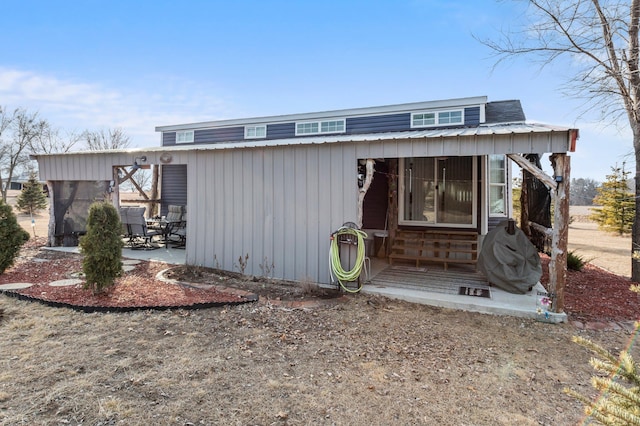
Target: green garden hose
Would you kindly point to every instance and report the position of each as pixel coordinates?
(336, 269)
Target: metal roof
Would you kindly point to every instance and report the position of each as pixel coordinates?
(483, 130)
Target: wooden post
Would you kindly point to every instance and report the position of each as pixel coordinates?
(115, 190)
(558, 265)
(524, 204)
(392, 212)
(153, 208)
(51, 234)
(365, 187)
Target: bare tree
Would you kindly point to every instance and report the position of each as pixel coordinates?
(50, 141)
(599, 41)
(106, 139)
(18, 130)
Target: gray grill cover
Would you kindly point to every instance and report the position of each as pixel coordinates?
(509, 262)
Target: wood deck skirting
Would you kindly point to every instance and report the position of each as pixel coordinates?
(435, 246)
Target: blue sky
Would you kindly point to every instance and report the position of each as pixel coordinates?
(141, 64)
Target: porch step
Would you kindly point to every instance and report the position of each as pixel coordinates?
(435, 246)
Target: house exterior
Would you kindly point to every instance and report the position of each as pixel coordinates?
(275, 188)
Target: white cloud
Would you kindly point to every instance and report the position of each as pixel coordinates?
(77, 105)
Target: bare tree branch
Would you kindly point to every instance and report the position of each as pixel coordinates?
(598, 40)
(49, 141)
(19, 129)
(103, 140)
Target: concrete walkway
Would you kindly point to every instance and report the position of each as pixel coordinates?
(171, 256)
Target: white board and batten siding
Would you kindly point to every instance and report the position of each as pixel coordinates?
(96, 166)
(278, 205)
(511, 143)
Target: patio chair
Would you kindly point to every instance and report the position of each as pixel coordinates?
(140, 238)
(174, 213)
(179, 229)
(126, 230)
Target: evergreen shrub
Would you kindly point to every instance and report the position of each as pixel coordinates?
(31, 198)
(12, 236)
(102, 247)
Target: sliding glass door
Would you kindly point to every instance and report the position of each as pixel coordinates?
(438, 191)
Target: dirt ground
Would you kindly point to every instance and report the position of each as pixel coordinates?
(606, 250)
(354, 360)
(363, 360)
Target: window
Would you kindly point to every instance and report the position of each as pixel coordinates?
(497, 185)
(184, 136)
(318, 127)
(332, 126)
(438, 191)
(255, 132)
(306, 128)
(436, 118)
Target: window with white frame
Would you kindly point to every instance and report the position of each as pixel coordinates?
(497, 185)
(255, 132)
(437, 118)
(318, 127)
(184, 136)
(438, 191)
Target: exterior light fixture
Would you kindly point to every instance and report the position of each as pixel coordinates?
(136, 166)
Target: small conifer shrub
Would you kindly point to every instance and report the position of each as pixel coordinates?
(618, 384)
(102, 247)
(12, 236)
(31, 198)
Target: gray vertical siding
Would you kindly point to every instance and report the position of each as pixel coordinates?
(278, 204)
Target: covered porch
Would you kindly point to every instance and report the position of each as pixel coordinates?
(459, 287)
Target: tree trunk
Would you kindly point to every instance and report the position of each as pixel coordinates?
(635, 234)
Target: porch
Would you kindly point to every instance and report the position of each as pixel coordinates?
(459, 287)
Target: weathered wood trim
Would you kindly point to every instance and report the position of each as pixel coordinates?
(546, 231)
(153, 208)
(531, 168)
(558, 264)
(365, 187)
(51, 231)
(115, 191)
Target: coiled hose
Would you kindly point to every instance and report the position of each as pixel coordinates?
(335, 266)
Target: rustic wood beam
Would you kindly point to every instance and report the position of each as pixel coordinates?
(115, 190)
(150, 201)
(153, 208)
(558, 264)
(365, 187)
(128, 175)
(51, 234)
(546, 231)
(531, 168)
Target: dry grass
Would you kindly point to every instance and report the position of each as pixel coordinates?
(364, 361)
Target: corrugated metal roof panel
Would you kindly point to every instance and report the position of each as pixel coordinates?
(483, 130)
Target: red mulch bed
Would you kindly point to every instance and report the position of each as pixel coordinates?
(135, 289)
(595, 294)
